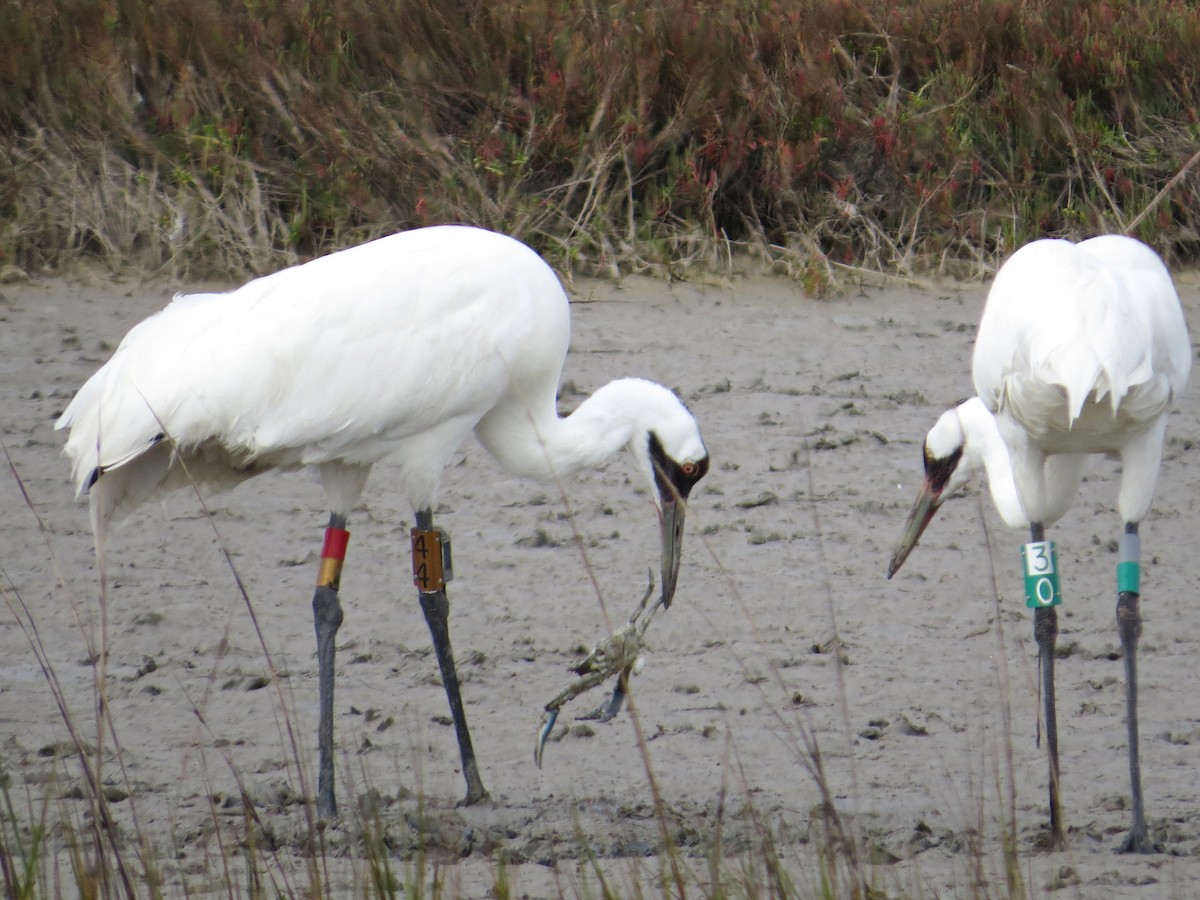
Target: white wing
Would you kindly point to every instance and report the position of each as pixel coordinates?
(1067, 323)
(341, 358)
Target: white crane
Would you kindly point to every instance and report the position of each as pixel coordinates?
(1082, 348)
(396, 348)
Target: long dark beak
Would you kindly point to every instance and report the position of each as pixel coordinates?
(674, 508)
(924, 509)
(674, 482)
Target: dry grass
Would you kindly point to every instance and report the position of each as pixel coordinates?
(612, 137)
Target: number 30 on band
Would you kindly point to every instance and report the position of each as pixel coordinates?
(1040, 563)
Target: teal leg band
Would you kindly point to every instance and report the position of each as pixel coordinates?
(1128, 565)
(1128, 577)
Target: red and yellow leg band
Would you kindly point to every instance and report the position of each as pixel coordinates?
(429, 573)
(333, 554)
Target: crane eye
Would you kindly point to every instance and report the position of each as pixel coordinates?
(688, 469)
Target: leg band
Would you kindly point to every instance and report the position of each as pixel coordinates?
(431, 560)
(1128, 564)
(333, 554)
(1039, 559)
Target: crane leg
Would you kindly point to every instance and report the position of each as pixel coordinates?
(430, 579)
(1045, 632)
(327, 618)
(1129, 625)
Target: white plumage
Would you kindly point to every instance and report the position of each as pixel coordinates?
(400, 347)
(1082, 349)
(1105, 308)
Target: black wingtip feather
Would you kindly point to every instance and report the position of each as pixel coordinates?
(100, 470)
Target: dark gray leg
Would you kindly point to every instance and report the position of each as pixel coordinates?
(431, 590)
(327, 618)
(1045, 632)
(1129, 625)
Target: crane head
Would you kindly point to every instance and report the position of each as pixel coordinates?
(947, 468)
(674, 477)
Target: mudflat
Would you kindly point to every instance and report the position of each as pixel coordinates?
(785, 640)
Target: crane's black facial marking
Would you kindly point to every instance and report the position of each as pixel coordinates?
(939, 470)
(674, 479)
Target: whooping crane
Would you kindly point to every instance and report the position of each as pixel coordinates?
(1082, 348)
(397, 348)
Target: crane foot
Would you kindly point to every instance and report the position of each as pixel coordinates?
(1138, 841)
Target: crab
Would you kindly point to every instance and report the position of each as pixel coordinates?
(616, 655)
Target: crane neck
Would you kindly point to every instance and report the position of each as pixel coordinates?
(531, 440)
(986, 449)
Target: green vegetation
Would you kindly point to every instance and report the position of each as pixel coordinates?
(611, 136)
